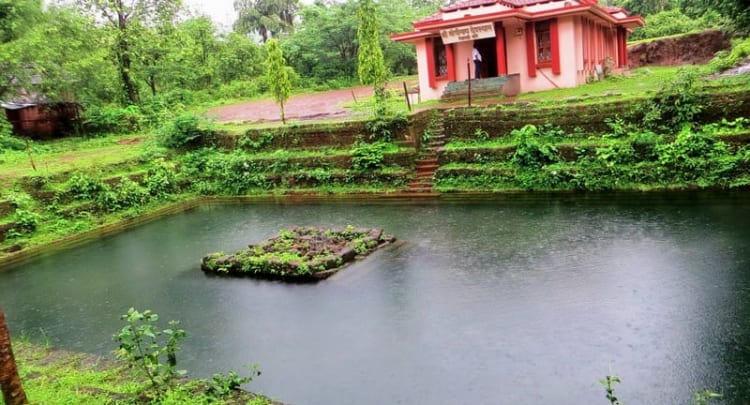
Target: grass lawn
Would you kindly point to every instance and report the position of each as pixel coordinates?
(57, 156)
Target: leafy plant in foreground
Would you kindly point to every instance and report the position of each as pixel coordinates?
(221, 385)
(143, 346)
(609, 387)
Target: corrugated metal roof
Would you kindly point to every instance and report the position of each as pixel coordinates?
(16, 106)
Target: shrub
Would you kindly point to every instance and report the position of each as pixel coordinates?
(113, 119)
(161, 178)
(674, 105)
(124, 195)
(141, 346)
(84, 187)
(186, 131)
(26, 221)
(692, 157)
(368, 156)
(384, 127)
(7, 140)
(728, 59)
(221, 385)
(671, 22)
(529, 152)
(243, 89)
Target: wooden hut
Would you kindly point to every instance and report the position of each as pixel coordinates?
(42, 119)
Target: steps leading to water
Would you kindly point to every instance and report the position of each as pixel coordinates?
(426, 163)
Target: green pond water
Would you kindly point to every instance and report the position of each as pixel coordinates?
(510, 300)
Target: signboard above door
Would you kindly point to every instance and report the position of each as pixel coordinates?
(468, 33)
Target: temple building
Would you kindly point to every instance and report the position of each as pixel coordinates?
(533, 44)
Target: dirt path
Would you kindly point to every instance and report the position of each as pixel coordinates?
(327, 104)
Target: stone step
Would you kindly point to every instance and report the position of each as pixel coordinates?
(421, 190)
(492, 84)
(429, 169)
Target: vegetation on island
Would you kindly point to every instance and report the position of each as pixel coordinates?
(299, 253)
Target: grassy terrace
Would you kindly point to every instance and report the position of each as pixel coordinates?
(56, 377)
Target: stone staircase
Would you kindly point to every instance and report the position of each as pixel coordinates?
(427, 161)
(489, 87)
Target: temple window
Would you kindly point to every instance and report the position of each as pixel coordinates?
(441, 60)
(543, 42)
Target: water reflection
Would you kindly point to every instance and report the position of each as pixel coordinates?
(517, 300)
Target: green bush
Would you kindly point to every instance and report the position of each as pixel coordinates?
(672, 22)
(368, 156)
(384, 127)
(186, 131)
(161, 178)
(529, 152)
(26, 221)
(84, 187)
(692, 157)
(113, 119)
(728, 59)
(7, 140)
(243, 89)
(124, 195)
(675, 105)
(217, 173)
(142, 345)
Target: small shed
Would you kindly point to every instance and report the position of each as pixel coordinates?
(42, 119)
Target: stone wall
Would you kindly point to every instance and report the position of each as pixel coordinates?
(499, 121)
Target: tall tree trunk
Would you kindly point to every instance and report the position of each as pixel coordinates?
(10, 384)
(152, 84)
(123, 57)
(123, 49)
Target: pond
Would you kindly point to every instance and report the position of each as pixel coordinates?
(513, 300)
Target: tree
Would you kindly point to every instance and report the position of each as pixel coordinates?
(120, 15)
(13, 393)
(371, 64)
(267, 18)
(237, 58)
(278, 74)
(16, 16)
(324, 46)
(645, 7)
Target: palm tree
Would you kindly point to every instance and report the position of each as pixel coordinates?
(267, 18)
(10, 384)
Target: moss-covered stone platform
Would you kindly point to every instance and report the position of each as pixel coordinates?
(299, 253)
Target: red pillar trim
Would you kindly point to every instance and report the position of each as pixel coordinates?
(430, 62)
(530, 49)
(602, 44)
(597, 44)
(450, 60)
(622, 50)
(589, 45)
(502, 64)
(585, 39)
(554, 37)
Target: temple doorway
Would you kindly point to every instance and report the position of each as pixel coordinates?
(488, 49)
